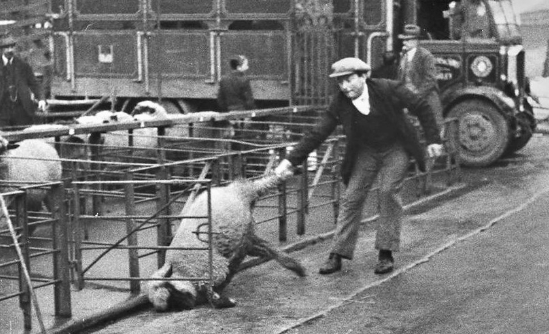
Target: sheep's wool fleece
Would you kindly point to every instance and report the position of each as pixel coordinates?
(28, 168)
(231, 221)
(21, 164)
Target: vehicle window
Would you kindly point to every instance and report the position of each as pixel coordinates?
(505, 20)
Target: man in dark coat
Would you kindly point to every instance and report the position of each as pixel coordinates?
(418, 70)
(380, 140)
(235, 91)
(17, 82)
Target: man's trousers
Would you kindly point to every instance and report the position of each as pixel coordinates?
(390, 166)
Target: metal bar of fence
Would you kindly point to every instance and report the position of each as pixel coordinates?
(122, 247)
(34, 279)
(302, 199)
(282, 205)
(61, 265)
(133, 260)
(138, 279)
(164, 231)
(210, 240)
(33, 255)
(18, 294)
(320, 170)
(79, 129)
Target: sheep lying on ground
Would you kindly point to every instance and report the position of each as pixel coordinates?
(31, 160)
(233, 239)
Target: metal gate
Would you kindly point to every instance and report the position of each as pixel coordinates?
(315, 50)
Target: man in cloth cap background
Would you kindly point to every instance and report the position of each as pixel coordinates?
(380, 141)
(418, 70)
(17, 82)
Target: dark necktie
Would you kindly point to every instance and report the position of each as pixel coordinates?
(9, 73)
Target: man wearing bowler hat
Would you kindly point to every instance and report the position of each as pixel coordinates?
(17, 82)
(380, 141)
(418, 70)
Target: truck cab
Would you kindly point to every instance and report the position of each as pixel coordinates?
(481, 74)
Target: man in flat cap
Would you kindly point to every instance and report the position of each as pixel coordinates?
(380, 141)
(418, 69)
(17, 82)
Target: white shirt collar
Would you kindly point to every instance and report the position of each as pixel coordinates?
(6, 60)
(362, 103)
(410, 54)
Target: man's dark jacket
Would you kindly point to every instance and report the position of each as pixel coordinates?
(25, 83)
(235, 93)
(387, 96)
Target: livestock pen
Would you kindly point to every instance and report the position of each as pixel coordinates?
(123, 201)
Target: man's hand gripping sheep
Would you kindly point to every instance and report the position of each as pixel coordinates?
(233, 239)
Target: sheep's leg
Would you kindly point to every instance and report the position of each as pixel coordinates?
(221, 301)
(262, 248)
(214, 296)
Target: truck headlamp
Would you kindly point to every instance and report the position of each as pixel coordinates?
(482, 66)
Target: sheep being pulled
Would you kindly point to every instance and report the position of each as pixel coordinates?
(234, 238)
(28, 162)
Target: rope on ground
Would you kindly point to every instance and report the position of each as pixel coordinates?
(424, 259)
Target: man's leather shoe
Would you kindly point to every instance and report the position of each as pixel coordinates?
(331, 265)
(384, 266)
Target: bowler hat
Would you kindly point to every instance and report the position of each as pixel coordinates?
(348, 66)
(6, 41)
(411, 31)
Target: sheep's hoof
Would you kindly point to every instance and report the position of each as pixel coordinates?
(219, 301)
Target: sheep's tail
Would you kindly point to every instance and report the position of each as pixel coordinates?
(175, 294)
(262, 248)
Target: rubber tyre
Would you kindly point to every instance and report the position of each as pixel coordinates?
(484, 133)
(526, 131)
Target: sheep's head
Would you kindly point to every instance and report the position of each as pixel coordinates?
(153, 109)
(5, 145)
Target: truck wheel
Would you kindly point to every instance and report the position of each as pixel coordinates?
(525, 129)
(483, 132)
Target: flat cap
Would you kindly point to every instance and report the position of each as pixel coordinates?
(411, 31)
(7, 40)
(348, 66)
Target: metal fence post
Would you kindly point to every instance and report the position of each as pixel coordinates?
(77, 235)
(21, 220)
(133, 256)
(61, 264)
(164, 230)
(95, 139)
(282, 204)
(336, 193)
(161, 140)
(302, 199)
